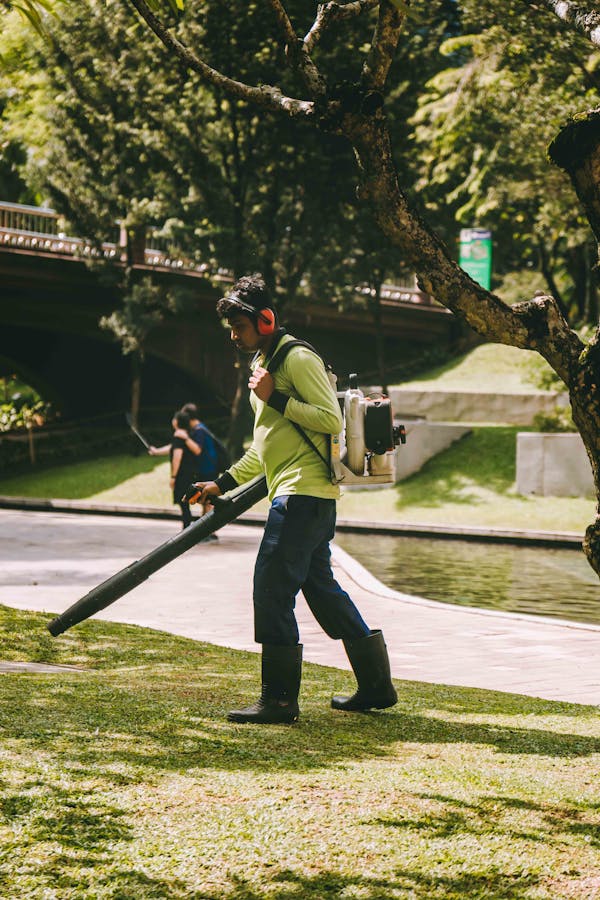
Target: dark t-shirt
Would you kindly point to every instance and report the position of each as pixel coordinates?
(205, 464)
(187, 469)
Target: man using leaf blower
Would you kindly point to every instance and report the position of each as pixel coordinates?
(295, 411)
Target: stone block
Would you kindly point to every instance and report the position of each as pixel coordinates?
(553, 465)
(472, 406)
(423, 441)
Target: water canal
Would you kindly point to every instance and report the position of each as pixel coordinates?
(513, 578)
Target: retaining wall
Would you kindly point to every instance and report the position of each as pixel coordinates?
(424, 440)
(553, 465)
(472, 406)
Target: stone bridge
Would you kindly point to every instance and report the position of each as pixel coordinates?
(51, 299)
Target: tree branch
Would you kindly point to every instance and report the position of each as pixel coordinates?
(297, 54)
(537, 324)
(392, 16)
(583, 19)
(265, 97)
(283, 20)
(328, 13)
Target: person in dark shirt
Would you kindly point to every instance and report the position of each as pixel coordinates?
(200, 442)
(183, 464)
(206, 458)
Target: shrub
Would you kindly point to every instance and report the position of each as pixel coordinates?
(559, 421)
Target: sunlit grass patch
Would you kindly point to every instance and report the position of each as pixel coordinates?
(485, 368)
(126, 780)
(471, 483)
(91, 478)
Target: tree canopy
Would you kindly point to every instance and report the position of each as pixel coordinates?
(447, 109)
(355, 110)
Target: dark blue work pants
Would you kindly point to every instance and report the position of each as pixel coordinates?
(294, 555)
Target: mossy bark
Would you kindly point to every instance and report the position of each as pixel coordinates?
(537, 324)
(356, 112)
(576, 149)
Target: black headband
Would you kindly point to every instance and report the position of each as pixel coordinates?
(237, 301)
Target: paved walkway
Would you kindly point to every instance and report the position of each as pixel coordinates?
(49, 560)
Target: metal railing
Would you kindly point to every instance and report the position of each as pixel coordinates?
(59, 244)
(37, 229)
(396, 293)
(36, 219)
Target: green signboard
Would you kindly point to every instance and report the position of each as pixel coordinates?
(476, 254)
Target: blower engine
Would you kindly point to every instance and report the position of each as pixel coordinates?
(364, 452)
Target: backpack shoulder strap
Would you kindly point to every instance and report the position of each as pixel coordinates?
(273, 364)
(279, 356)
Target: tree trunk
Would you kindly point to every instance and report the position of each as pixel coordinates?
(576, 149)
(136, 388)
(375, 305)
(576, 265)
(548, 273)
(591, 294)
(136, 245)
(535, 325)
(238, 423)
(31, 443)
(421, 249)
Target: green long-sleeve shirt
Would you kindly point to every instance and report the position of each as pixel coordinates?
(290, 465)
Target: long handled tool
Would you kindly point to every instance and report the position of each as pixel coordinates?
(225, 510)
(136, 432)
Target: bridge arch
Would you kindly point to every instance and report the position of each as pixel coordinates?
(51, 302)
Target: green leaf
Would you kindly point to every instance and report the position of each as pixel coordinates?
(32, 9)
(159, 5)
(401, 5)
(32, 15)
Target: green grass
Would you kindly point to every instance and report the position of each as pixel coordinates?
(119, 479)
(489, 367)
(125, 781)
(470, 484)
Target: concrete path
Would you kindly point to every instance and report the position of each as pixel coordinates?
(49, 560)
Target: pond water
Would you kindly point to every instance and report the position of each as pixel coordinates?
(513, 578)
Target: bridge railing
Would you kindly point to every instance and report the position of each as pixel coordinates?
(28, 219)
(395, 293)
(37, 229)
(59, 244)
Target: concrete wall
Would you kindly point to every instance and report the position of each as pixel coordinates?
(554, 465)
(424, 440)
(471, 406)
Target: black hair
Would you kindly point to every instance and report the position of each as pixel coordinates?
(247, 295)
(182, 418)
(191, 409)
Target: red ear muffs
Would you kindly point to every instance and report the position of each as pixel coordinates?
(265, 321)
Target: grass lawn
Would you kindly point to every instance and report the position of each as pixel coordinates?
(121, 479)
(472, 483)
(126, 781)
(485, 369)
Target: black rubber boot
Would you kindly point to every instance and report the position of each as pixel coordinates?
(278, 702)
(370, 663)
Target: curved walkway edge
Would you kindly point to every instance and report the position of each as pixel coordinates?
(50, 559)
(568, 539)
(365, 579)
